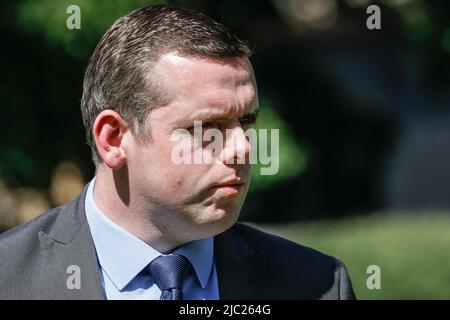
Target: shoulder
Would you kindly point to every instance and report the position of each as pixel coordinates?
(276, 246)
(300, 270)
(64, 222)
(28, 232)
(21, 251)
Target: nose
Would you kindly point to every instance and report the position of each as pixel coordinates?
(236, 147)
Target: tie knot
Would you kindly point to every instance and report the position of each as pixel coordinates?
(169, 271)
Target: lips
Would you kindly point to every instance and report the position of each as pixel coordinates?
(230, 187)
(230, 183)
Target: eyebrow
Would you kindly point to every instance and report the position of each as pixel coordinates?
(208, 115)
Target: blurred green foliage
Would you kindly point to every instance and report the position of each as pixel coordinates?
(411, 251)
(417, 23)
(49, 18)
(292, 159)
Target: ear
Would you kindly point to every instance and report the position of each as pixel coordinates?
(108, 132)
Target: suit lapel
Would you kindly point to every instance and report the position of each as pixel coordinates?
(70, 252)
(241, 272)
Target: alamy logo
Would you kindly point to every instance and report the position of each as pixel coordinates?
(237, 147)
(74, 20)
(373, 22)
(374, 280)
(74, 279)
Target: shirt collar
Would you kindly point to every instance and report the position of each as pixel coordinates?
(122, 255)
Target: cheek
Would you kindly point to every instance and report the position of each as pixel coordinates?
(156, 166)
(186, 178)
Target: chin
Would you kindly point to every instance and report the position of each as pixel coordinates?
(219, 220)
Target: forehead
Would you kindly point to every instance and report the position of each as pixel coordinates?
(209, 85)
(204, 70)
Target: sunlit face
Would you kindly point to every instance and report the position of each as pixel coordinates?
(192, 201)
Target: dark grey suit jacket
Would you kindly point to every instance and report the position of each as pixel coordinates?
(34, 261)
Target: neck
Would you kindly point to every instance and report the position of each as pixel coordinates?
(118, 201)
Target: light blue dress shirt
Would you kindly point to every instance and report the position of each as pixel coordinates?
(123, 260)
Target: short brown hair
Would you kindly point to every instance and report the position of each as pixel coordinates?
(119, 75)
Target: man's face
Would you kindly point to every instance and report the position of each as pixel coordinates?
(192, 201)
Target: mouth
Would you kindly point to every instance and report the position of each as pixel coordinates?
(230, 188)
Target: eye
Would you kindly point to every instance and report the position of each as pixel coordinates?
(209, 125)
(247, 120)
(204, 126)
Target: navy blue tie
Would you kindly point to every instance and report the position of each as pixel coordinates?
(168, 273)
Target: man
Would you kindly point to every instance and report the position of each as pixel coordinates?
(147, 227)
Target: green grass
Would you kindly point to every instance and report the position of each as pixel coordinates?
(412, 250)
